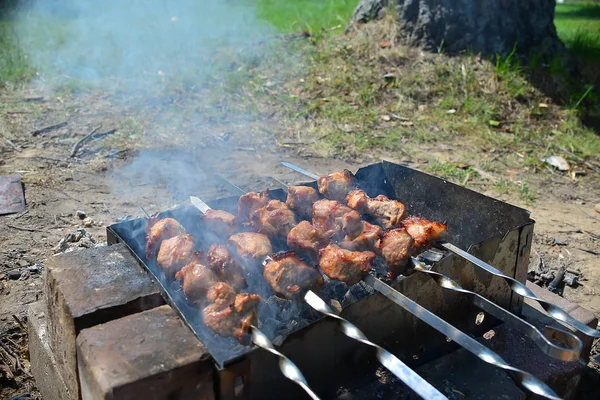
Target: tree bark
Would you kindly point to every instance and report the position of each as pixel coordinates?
(482, 26)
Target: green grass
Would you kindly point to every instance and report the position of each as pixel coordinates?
(578, 26)
(306, 15)
(14, 66)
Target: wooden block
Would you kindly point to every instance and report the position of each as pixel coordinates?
(90, 287)
(147, 355)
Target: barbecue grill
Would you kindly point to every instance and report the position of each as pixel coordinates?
(493, 231)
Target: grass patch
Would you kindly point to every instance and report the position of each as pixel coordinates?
(578, 26)
(305, 15)
(14, 65)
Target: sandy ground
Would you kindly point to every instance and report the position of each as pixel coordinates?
(100, 183)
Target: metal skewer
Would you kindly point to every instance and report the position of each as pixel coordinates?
(287, 367)
(571, 349)
(523, 379)
(517, 287)
(144, 211)
(390, 361)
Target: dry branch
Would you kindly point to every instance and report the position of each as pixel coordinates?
(49, 128)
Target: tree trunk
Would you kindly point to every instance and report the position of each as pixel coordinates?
(482, 26)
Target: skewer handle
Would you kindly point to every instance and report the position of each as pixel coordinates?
(519, 288)
(570, 348)
(301, 170)
(523, 379)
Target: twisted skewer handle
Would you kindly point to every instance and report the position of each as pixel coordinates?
(519, 288)
(570, 348)
(391, 362)
(287, 367)
(523, 379)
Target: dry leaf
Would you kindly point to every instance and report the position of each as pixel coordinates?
(543, 105)
(386, 117)
(384, 44)
(406, 123)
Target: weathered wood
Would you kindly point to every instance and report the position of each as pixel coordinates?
(89, 287)
(151, 354)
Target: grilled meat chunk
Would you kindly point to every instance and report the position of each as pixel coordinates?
(221, 223)
(300, 199)
(345, 265)
(274, 220)
(250, 245)
(229, 314)
(224, 265)
(423, 232)
(196, 280)
(396, 247)
(175, 253)
(337, 185)
(251, 202)
(327, 216)
(159, 230)
(368, 240)
(290, 277)
(385, 212)
(352, 224)
(307, 239)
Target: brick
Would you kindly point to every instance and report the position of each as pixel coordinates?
(43, 364)
(89, 287)
(147, 355)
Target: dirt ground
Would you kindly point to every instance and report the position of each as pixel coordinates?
(99, 182)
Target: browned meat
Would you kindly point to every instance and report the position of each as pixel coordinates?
(175, 253)
(290, 277)
(223, 264)
(221, 223)
(274, 220)
(250, 245)
(345, 265)
(229, 314)
(423, 232)
(368, 240)
(196, 280)
(396, 248)
(337, 185)
(352, 224)
(307, 239)
(327, 216)
(251, 202)
(386, 213)
(159, 230)
(300, 199)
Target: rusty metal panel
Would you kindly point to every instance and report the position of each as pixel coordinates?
(12, 199)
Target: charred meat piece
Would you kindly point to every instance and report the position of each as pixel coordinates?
(251, 202)
(274, 220)
(337, 185)
(396, 247)
(345, 265)
(307, 239)
(250, 245)
(221, 223)
(352, 224)
(423, 232)
(385, 212)
(327, 216)
(175, 253)
(159, 230)
(368, 240)
(290, 277)
(300, 199)
(223, 264)
(229, 314)
(196, 280)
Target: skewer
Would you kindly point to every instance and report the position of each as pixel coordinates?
(523, 379)
(287, 367)
(387, 359)
(517, 287)
(397, 367)
(144, 211)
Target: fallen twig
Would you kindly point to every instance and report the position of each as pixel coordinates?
(594, 252)
(20, 228)
(10, 142)
(49, 128)
(18, 321)
(91, 135)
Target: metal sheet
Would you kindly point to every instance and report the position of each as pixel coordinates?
(12, 199)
